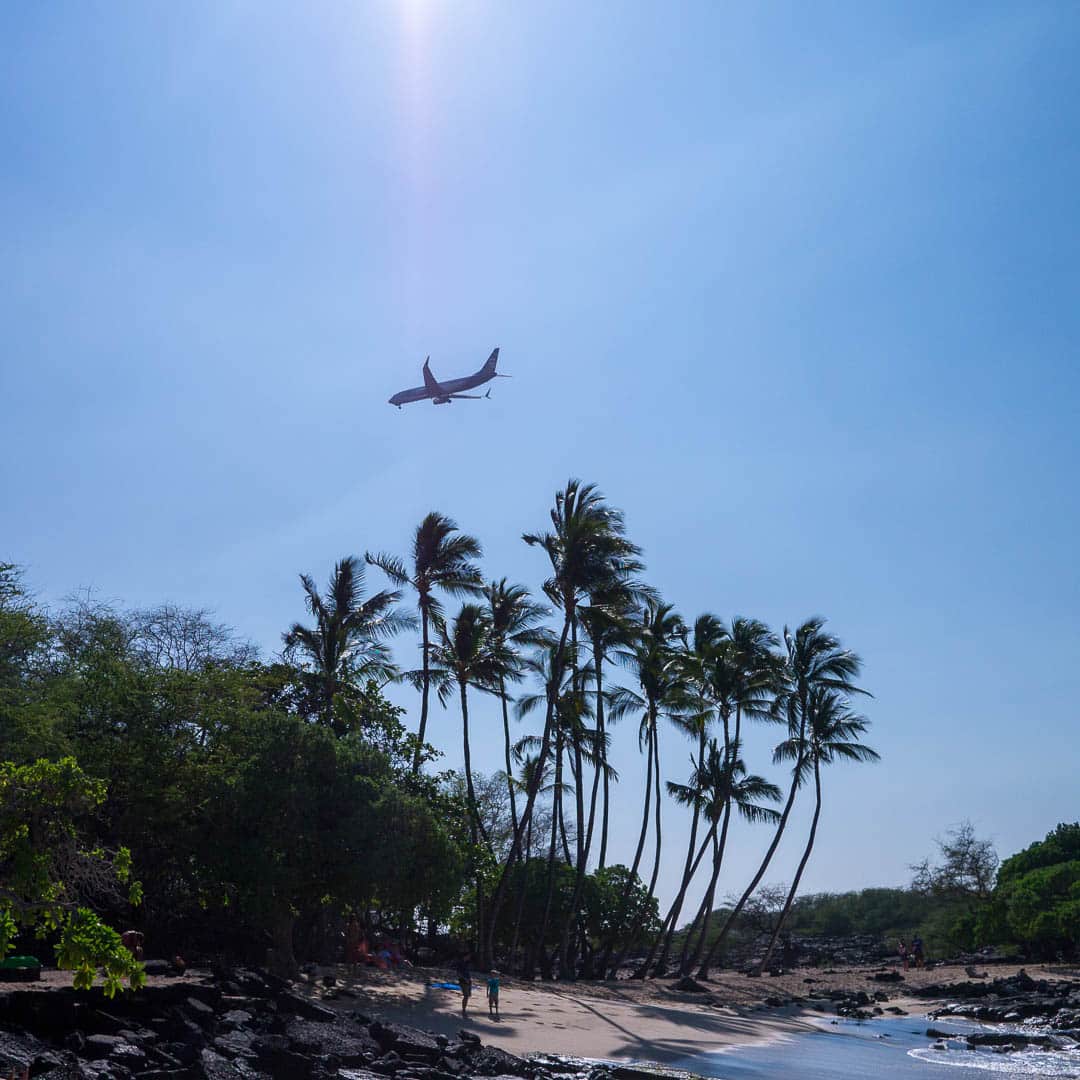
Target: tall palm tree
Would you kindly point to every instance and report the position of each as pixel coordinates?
(467, 654)
(815, 660)
(694, 713)
(572, 736)
(652, 658)
(515, 623)
(586, 546)
(832, 733)
(347, 642)
(742, 675)
(442, 558)
(725, 786)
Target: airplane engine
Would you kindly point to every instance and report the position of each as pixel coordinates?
(440, 401)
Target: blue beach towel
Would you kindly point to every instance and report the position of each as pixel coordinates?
(447, 986)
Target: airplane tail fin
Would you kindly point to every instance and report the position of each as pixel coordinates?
(492, 360)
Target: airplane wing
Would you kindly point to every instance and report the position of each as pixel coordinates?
(430, 382)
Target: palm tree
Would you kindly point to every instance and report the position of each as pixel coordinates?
(814, 660)
(652, 657)
(742, 676)
(725, 785)
(468, 655)
(570, 735)
(832, 733)
(347, 642)
(515, 623)
(694, 713)
(586, 547)
(442, 558)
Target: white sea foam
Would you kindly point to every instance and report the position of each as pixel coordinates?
(1013, 1063)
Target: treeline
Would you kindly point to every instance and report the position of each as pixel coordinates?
(265, 799)
(959, 902)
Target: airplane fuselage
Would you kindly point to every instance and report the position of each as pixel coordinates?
(442, 393)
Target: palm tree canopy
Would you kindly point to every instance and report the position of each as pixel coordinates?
(587, 547)
(442, 558)
(349, 633)
(468, 653)
(833, 732)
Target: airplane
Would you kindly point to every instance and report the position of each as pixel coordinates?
(442, 393)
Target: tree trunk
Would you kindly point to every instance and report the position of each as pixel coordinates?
(802, 866)
(640, 915)
(425, 645)
(499, 895)
(521, 893)
(556, 814)
(474, 813)
(703, 972)
(610, 944)
(706, 919)
(583, 849)
(676, 908)
(282, 959)
(506, 754)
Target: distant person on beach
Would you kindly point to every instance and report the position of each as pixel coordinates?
(917, 949)
(464, 977)
(132, 940)
(493, 994)
(904, 953)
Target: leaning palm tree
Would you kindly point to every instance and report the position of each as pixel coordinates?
(814, 661)
(693, 714)
(515, 623)
(831, 734)
(467, 654)
(742, 677)
(653, 659)
(442, 558)
(348, 640)
(586, 547)
(726, 786)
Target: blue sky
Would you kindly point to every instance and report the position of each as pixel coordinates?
(796, 285)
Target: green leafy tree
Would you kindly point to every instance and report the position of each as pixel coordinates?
(50, 874)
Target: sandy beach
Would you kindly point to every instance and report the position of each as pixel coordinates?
(624, 1020)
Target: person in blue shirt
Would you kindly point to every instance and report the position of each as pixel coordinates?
(493, 994)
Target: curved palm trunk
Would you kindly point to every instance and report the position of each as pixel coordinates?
(499, 895)
(521, 893)
(673, 914)
(584, 837)
(802, 866)
(640, 915)
(730, 752)
(671, 917)
(706, 916)
(610, 944)
(555, 822)
(703, 972)
(506, 754)
(425, 646)
(474, 814)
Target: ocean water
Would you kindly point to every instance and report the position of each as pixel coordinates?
(896, 1048)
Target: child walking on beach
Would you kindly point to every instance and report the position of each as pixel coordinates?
(493, 994)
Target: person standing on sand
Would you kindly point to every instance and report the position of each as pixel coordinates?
(917, 949)
(903, 953)
(464, 981)
(493, 994)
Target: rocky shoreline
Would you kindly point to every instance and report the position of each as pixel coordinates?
(244, 1025)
